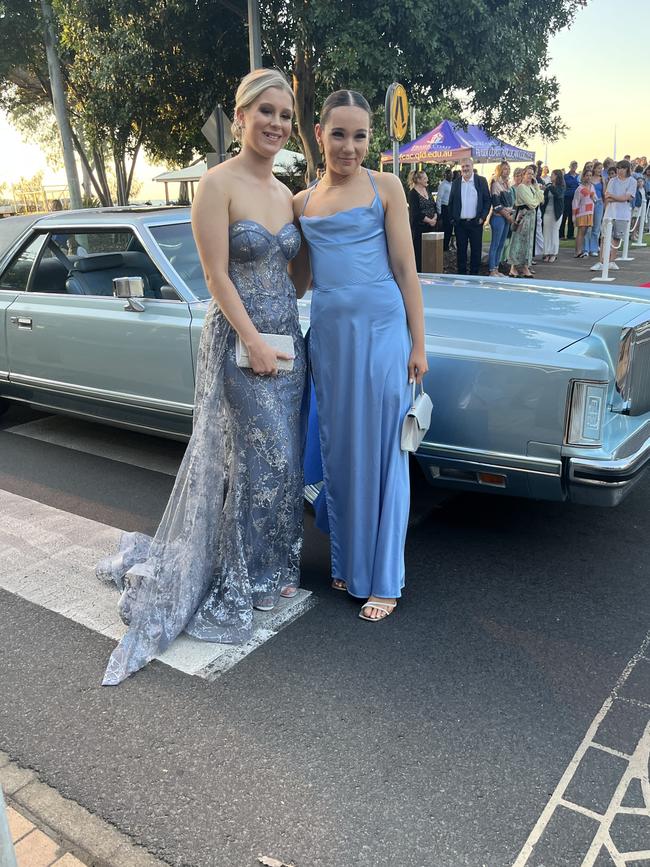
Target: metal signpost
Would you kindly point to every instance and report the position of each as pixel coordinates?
(397, 118)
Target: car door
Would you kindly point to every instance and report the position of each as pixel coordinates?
(13, 281)
(90, 346)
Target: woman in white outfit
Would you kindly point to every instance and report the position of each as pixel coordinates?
(553, 210)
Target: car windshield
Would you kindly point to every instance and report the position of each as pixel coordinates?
(177, 243)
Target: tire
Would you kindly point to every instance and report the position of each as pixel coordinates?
(4, 405)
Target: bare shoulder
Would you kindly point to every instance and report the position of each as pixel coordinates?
(388, 184)
(299, 202)
(216, 183)
(284, 191)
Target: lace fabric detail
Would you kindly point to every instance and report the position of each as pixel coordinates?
(231, 534)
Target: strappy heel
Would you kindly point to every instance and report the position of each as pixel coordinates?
(388, 607)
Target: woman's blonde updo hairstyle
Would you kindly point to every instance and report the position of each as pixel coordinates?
(252, 86)
(413, 176)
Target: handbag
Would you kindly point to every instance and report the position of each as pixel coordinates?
(279, 342)
(417, 420)
(520, 213)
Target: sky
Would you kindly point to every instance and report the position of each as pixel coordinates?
(600, 63)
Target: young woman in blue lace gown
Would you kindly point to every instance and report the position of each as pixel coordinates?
(366, 344)
(230, 538)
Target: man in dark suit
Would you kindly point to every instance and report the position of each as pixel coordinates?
(469, 205)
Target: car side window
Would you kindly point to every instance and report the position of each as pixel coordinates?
(16, 274)
(82, 262)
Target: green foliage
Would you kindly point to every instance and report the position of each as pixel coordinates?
(151, 70)
(491, 58)
(148, 72)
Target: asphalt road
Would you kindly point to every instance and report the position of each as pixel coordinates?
(435, 739)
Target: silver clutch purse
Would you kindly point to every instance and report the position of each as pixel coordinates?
(280, 342)
(417, 420)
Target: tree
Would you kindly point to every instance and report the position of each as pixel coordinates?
(491, 56)
(139, 73)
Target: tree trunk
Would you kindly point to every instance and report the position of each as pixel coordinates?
(134, 159)
(120, 175)
(100, 168)
(95, 181)
(304, 88)
(60, 104)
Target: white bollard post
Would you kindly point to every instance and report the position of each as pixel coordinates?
(7, 853)
(641, 219)
(607, 248)
(626, 245)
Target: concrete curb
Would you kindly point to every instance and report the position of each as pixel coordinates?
(77, 832)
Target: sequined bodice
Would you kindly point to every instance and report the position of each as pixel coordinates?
(250, 241)
(258, 268)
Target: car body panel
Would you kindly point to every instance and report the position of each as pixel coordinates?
(495, 316)
(96, 347)
(504, 360)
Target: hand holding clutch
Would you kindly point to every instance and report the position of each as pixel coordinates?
(281, 343)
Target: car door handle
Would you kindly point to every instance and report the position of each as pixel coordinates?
(22, 322)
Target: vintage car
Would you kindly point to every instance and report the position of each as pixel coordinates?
(539, 389)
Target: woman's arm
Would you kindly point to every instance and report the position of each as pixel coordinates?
(300, 265)
(495, 198)
(210, 225)
(402, 260)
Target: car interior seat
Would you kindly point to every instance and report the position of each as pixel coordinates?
(93, 274)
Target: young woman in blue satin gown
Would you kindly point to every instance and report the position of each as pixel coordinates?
(230, 538)
(366, 344)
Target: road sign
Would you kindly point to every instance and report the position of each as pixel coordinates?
(217, 131)
(397, 111)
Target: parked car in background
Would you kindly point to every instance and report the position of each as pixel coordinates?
(539, 389)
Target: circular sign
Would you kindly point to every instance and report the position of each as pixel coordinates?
(397, 111)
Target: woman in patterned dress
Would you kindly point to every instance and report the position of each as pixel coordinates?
(230, 538)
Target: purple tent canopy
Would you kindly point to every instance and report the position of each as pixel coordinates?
(449, 143)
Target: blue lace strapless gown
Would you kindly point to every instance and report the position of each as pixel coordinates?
(231, 535)
(359, 347)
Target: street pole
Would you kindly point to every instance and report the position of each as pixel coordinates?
(254, 36)
(60, 106)
(412, 119)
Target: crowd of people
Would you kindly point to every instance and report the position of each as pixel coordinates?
(530, 211)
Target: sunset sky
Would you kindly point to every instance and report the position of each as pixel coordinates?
(602, 68)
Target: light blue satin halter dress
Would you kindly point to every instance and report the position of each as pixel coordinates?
(359, 347)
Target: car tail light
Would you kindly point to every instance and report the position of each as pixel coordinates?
(586, 411)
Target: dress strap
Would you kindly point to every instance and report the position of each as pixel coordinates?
(372, 181)
(308, 197)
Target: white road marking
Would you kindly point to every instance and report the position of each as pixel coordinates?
(129, 447)
(48, 556)
(637, 768)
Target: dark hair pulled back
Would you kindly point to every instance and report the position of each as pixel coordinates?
(340, 98)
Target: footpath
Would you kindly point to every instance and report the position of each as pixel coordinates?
(48, 830)
(567, 267)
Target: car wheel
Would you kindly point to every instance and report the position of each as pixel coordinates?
(4, 405)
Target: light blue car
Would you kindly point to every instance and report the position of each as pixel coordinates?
(539, 389)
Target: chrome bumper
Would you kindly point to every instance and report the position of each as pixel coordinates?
(607, 482)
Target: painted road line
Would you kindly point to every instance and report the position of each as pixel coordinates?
(618, 827)
(128, 447)
(48, 556)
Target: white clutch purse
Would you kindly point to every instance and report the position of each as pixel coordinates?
(280, 342)
(417, 420)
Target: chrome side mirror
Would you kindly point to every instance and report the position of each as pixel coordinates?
(130, 288)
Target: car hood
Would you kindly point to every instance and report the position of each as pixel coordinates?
(517, 313)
